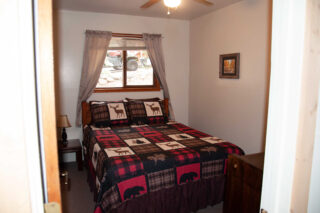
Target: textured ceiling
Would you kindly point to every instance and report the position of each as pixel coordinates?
(189, 9)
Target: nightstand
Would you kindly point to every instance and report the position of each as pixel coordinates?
(73, 146)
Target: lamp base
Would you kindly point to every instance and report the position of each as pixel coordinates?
(64, 137)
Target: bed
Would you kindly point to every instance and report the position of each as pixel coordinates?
(146, 163)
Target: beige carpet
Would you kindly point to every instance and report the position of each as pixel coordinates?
(79, 199)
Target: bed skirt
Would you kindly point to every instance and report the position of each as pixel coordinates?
(184, 198)
(180, 199)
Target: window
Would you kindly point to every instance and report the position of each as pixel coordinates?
(127, 67)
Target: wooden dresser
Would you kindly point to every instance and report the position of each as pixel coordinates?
(244, 181)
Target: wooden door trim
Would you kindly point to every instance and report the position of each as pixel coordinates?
(45, 71)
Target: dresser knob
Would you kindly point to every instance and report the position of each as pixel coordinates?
(235, 165)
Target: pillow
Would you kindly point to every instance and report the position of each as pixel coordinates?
(109, 113)
(143, 99)
(147, 112)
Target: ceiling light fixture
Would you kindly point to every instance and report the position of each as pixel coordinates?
(172, 3)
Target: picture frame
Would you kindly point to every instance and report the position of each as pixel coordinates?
(229, 66)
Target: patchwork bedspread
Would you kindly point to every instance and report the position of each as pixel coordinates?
(133, 160)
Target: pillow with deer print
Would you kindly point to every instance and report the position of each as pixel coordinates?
(147, 112)
(109, 113)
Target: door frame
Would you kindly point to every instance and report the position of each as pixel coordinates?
(43, 22)
(293, 100)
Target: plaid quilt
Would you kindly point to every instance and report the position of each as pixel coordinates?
(130, 161)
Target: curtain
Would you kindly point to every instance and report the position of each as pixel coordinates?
(95, 51)
(153, 44)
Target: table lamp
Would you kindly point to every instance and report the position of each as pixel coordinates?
(64, 123)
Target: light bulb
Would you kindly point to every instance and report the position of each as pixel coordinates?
(172, 3)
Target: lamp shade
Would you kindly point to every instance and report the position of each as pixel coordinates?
(63, 121)
(172, 3)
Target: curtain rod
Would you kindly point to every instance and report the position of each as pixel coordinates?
(127, 35)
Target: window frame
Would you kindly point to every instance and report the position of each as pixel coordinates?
(129, 88)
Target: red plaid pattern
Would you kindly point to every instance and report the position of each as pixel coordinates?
(155, 136)
(125, 166)
(144, 129)
(112, 144)
(230, 148)
(110, 141)
(119, 122)
(156, 120)
(181, 127)
(196, 133)
(185, 155)
(103, 132)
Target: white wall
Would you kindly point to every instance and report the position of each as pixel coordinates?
(234, 110)
(69, 43)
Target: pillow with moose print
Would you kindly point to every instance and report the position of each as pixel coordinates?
(109, 113)
(147, 112)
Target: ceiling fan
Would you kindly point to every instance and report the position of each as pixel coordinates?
(152, 2)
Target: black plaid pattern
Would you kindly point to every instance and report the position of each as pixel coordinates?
(169, 131)
(137, 112)
(91, 146)
(131, 135)
(147, 148)
(212, 168)
(100, 114)
(110, 199)
(193, 143)
(161, 179)
(100, 169)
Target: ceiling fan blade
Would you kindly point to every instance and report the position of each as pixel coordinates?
(149, 3)
(205, 2)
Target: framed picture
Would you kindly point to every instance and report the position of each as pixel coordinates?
(229, 65)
